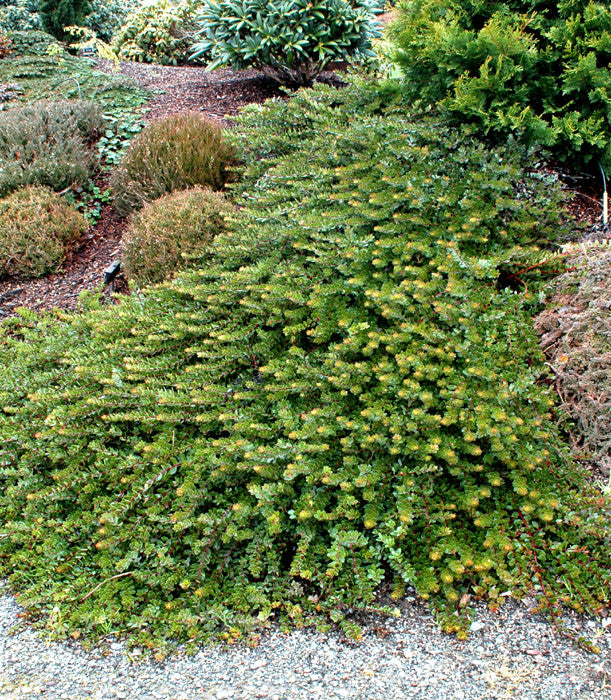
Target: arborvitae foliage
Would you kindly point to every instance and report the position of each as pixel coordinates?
(539, 68)
(349, 391)
(59, 14)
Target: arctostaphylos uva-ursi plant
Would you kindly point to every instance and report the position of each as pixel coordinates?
(538, 68)
(348, 391)
(291, 41)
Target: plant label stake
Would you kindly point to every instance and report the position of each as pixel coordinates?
(111, 272)
(605, 197)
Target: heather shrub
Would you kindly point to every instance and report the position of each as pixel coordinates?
(344, 393)
(175, 153)
(537, 68)
(159, 32)
(6, 45)
(36, 225)
(576, 336)
(291, 41)
(48, 143)
(171, 233)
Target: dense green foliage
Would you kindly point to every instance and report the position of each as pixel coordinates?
(33, 42)
(48, 143)
(36, 225)
(169, 232)
(160, 32)
(289, 40)
(175, 153)
(539, 68)
(108, 16)
(42, 70)
(56, 15)
(347, 389)
(19, 15)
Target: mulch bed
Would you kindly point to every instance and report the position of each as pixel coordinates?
(216, 94)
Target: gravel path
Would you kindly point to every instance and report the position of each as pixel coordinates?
(511, 654)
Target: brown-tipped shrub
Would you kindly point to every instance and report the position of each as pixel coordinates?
(576, 336)
(6, 45)
(48, 143)
(181, 151)
(170, 232)
(36, 225)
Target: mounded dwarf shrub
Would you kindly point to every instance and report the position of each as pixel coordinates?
(349, 391)
(36, 225)
(48, 143)
(32, 42)
(158, 32)
(172, 233)
(175, 153)
(291, 41)
(539, 68)
(576, 336)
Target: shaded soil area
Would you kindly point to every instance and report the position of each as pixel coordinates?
(216, 94)
(83, 269)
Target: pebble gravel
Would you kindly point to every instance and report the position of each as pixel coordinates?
(510, 654)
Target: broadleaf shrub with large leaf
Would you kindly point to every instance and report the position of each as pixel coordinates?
(108, 16)
(19, 15)
(158, 32)
(539, 68)
(289, 40)
(349, 390)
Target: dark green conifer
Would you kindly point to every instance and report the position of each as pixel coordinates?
(59, 14)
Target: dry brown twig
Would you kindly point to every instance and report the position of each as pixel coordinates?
(576, 337)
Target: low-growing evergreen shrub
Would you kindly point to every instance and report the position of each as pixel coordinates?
(291, 41)
(349, 391)
(538, 68)
(174, 153)
(158, 32)
(171, 233)
(36, 225)
(48, 143)
(32, 42)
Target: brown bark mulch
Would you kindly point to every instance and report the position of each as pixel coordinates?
(216, 94)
